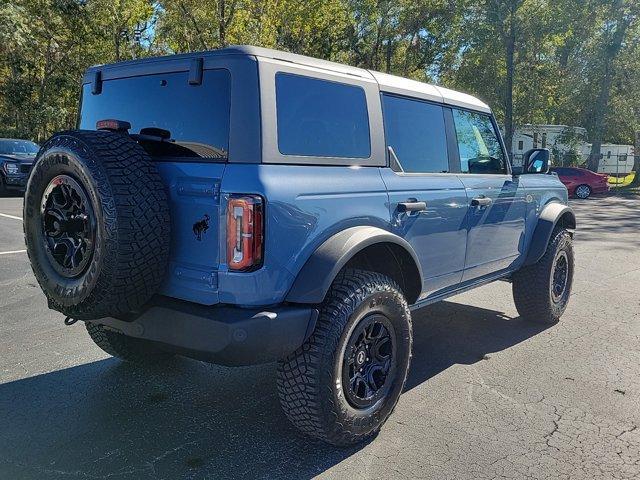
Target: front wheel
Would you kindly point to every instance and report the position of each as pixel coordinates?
(343, 383)
(541, 291)
(583, 191)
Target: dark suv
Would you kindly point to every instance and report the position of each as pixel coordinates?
(247, 205)
(16, 160)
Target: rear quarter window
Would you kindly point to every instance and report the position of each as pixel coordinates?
(416, 132)
(321, 118)
(197, 116)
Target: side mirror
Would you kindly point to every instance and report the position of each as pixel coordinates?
(536, 160)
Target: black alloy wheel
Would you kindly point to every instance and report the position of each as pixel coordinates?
(559, 276)
(368, 362)
(69, 226)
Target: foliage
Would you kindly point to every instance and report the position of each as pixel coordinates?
(574, 62)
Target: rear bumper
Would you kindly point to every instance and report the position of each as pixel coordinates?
(221, 334)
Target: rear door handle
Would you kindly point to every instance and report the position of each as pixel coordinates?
(481, 202)
(412, 206)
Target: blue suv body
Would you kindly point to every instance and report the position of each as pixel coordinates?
(284, 173)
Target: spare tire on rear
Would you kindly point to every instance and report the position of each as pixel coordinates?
(96, 224)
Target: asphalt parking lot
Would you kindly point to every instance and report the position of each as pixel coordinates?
(488, 396)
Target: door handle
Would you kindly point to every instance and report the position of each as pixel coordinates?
(481, 202)
(412, 206)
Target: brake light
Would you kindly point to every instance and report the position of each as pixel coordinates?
(245, 232)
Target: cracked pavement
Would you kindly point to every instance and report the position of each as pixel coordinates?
(488, 395)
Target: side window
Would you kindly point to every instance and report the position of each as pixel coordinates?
(416, 132)
(320, 118)
(480, 149)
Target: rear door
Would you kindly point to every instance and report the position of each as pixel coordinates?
(427, 202)
(192, 158)
(496, 212)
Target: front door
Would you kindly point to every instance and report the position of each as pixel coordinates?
(428, 204)
(495, 220)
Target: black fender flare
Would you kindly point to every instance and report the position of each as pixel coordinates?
(551, 214)
(314, 279)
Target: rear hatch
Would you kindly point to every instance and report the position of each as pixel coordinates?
(191, 151)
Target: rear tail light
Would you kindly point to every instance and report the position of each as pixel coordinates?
(245, 232)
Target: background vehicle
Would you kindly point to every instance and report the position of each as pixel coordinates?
(16, 160)
(581, 182)
(248, 205)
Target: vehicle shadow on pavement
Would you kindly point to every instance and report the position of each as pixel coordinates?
(195, 420)
(448, 333)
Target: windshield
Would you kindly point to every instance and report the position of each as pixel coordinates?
(18, 147)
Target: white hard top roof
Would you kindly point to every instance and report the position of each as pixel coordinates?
(388, 83)
(405, 86)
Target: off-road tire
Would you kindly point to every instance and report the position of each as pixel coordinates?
(309, 380)
(132, 224)
(130, 349)
(532, 284)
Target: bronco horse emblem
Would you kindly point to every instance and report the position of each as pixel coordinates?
(201, 227)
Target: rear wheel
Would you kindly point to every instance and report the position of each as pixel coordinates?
(541, 291)
(583, 191)
(344, 382)
(131, 349)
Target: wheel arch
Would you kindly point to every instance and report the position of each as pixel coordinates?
(552, 215)
(364, 247)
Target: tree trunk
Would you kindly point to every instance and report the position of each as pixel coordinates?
(373, 61)
(222, 25)
(116, 43)
(508, 97)
(610, 51)
(636, 162)
(599, 114)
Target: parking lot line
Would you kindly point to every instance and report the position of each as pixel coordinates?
(10, 216)
(12, 251)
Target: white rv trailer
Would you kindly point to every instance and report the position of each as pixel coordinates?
(616, 160)
(565, 142)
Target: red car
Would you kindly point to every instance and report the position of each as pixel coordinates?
(582, 182)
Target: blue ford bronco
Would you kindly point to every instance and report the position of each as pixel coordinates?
(248, 205)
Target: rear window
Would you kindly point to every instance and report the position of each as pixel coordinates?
(196, 116)
(321, 118)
